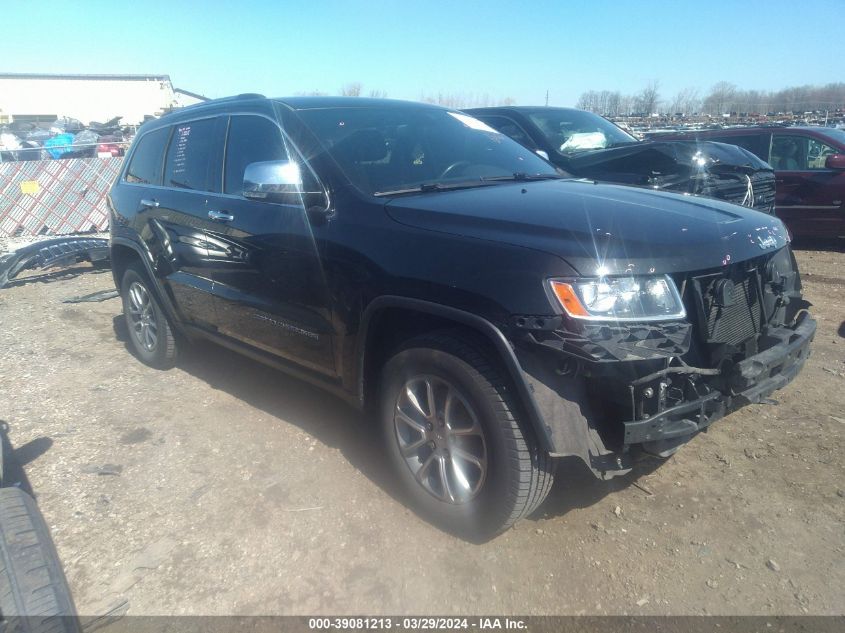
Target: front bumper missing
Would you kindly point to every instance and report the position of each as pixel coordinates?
(751, 380)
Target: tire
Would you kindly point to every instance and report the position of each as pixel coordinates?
(510, 475)
(149, 330)
(34, 596)
(5, 450)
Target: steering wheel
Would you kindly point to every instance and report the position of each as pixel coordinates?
(454, 167)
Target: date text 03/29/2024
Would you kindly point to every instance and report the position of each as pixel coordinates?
(411, 623)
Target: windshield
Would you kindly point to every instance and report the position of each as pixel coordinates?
(394, 149)
(572, 131)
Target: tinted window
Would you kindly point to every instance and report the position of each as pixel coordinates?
(753, 142)
(251, 139)
(511, 128)
(383, 149)
(145, 166)
(191, 156)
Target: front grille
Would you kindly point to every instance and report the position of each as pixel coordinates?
(732, 313)
(764, 191)
(734, 188)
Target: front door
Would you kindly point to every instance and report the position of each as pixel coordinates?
(269, 284)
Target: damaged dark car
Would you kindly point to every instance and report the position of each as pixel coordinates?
(587, 145)
(489, 314)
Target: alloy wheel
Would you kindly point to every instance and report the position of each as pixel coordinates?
(440, 439)
(142, 316)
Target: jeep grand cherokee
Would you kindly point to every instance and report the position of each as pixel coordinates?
(492, 315)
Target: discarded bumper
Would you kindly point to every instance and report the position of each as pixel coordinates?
(57, 252)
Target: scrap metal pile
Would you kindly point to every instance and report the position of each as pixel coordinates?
(63, 138)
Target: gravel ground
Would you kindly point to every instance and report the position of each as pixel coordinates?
(225, 487)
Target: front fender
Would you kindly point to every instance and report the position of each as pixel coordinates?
(490, 332)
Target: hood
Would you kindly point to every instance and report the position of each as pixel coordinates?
(694, 155)
(599, 228)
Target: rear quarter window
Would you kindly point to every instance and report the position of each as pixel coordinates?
(145, 166)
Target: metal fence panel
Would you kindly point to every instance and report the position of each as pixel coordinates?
(55, 197)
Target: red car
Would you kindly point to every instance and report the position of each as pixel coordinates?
(809, 167)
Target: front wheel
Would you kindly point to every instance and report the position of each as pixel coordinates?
(454, 437)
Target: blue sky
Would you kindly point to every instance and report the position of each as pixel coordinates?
(412, 48)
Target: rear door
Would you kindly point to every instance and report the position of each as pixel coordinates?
(269, 285)
(809, 196)
(165, 190)
(180, 215)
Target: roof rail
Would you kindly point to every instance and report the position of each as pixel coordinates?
(210, 102)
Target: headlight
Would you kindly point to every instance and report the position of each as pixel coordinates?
(641, 298)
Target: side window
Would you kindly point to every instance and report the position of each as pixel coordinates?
(251, 139)
(753, 143)
(192, 155)
(817, 153)
(145, 165)
(511, 128)
(792, 152)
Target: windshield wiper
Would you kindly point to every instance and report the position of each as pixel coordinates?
(434, 186)
(522, 177)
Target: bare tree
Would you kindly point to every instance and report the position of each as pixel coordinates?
(378, 94)
(686, 102)
(721, 98)
(649, 98)
(351, 90)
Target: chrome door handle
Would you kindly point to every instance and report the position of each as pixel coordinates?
(220, 216)
(150, 203)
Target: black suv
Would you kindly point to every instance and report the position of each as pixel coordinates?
(492, 315)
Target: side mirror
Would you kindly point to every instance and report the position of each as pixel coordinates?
(835, 161)
(282, 181)
(271, 178)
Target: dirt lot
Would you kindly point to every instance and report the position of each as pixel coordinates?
(224, 487)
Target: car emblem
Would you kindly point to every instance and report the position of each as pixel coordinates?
(766, 242)
(748, 200)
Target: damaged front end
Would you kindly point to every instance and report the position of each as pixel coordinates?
(705, 168)
(651, 387)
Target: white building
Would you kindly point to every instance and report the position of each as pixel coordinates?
(44, 97)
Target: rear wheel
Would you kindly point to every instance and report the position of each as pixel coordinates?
(149, 331)
(454, 437)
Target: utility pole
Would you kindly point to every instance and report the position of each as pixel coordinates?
(547, 98)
